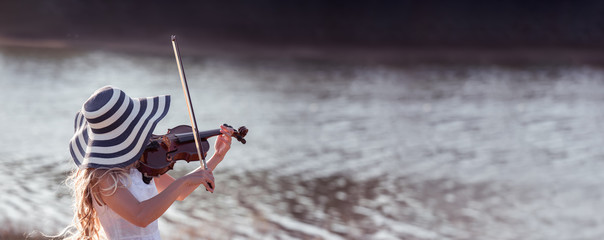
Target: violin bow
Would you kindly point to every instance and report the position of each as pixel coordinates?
(185, 89)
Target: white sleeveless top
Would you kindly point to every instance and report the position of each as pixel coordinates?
(117, 227)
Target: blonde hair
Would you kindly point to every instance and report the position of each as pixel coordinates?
(85, 190)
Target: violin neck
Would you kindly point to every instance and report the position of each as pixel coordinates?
(187, 137)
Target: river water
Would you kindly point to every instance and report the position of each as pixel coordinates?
(335, 151)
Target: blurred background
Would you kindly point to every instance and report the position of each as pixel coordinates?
(368, 119)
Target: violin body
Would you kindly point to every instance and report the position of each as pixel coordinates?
(163, 151)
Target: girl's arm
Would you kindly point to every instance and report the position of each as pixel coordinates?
(222, 146)
(143, 213)
(164, 180)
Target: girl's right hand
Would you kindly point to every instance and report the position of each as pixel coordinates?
(201, 176)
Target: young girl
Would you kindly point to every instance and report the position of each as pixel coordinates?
(110, 198)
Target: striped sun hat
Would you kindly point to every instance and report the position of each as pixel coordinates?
(112, 129)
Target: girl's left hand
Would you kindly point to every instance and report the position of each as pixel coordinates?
(223, 142)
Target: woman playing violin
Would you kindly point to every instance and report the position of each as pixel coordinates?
(110, 197)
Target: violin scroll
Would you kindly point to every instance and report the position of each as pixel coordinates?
(238, 134)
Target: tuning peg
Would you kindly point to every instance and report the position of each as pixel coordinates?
(242, 131)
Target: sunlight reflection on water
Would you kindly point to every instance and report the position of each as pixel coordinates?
(335, 151)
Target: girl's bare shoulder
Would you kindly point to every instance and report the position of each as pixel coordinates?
(109, 179)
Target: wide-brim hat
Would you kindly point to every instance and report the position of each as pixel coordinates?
(113, 129)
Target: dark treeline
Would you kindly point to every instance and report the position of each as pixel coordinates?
(553, 24)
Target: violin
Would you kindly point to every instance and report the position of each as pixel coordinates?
(181, 142)
(163, 151)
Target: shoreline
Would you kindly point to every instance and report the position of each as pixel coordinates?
(346, 54)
